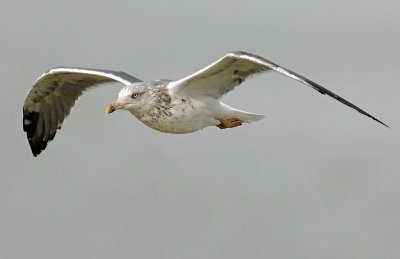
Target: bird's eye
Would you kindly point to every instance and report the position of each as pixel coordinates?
(134, 95)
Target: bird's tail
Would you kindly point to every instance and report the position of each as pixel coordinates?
(241, 115)
(248, 117)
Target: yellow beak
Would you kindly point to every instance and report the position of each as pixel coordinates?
(114, 106)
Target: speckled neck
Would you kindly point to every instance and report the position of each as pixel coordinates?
(159, 102)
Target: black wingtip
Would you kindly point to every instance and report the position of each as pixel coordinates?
(36, 148)
(384, 124)
(30, 123)
(342, 100)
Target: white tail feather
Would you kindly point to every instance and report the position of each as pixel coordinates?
(230, 112)
(247, 116)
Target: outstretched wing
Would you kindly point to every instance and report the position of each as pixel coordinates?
(231, 70)
(51, 98)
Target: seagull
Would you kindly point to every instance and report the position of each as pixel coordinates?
(182, 106)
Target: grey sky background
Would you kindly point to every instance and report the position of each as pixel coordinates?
(314, 179)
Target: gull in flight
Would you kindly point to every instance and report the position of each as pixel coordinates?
(183, 106)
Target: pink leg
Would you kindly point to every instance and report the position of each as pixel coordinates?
(229, 123)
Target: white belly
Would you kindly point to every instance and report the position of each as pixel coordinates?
(182, 117)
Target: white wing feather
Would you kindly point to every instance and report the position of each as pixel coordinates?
(231, 70)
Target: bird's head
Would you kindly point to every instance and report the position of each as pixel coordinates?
(132, 97)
